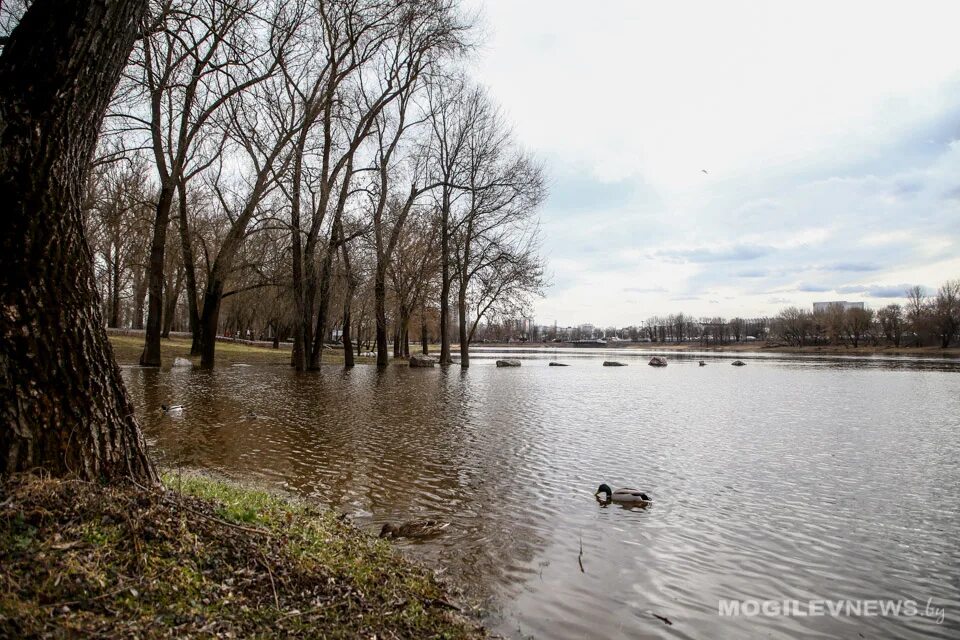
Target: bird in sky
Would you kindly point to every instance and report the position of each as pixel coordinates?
(704, 170)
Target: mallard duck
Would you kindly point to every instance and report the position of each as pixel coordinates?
(702, 363)
(413, 529)
(622, 495)
(172, 410)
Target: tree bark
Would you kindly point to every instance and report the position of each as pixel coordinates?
(347, 344)
(323, 307)
(63, 406)
(209, 322)
(462, 325)
(186, 248)
(445, 282)
(151, 348)
(380, 312)
(115, 291)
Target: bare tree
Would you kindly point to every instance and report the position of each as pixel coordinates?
(737, 327)
(793, 325)
(857, 323)
(891, 323)
(946, 312)
(198, 55)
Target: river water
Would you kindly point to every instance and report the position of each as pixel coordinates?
(786, 479)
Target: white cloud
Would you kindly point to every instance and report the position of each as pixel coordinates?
(828, 131)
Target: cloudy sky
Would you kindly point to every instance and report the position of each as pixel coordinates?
(830, 133)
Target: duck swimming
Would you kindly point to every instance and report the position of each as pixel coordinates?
(621, 495)
(413, 529)
(172, 410)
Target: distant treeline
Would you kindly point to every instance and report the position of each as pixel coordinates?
(923, 321)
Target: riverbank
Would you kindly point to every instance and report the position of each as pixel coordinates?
(756, 347)
(202, 557)
(127, 350)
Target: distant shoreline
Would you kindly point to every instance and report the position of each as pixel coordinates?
(746, 347)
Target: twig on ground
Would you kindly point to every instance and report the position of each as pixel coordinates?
(273, 585)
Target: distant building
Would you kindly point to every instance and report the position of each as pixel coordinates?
(819, 307)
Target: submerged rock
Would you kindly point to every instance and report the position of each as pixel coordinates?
(739, 363)
(611, 363)
(658, 361)
(421, 360)
(182, 362)
(508, 363)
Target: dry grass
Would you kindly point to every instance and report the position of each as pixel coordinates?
(127, 350)
(202, 559)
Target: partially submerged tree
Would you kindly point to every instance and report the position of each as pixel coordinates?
(63, 406)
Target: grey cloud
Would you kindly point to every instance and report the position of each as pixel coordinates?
(852, 266)
(880, 290)
(813, 288)
(736, 253)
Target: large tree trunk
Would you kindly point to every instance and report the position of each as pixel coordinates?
(151, 348)
(63, 406)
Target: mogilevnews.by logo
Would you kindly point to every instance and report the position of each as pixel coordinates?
(933, 609)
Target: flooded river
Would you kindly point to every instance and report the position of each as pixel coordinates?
(787, 479)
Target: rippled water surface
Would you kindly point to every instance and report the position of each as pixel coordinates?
(784, 479)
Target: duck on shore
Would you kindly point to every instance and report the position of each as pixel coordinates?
(413, 529)
(606, 494)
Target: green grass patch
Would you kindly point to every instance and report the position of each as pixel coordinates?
(203, 558)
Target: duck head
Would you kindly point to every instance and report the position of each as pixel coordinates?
(386, 531)
(604, 489)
